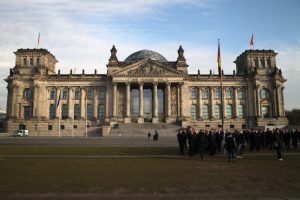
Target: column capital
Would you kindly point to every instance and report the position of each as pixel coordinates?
(141, 83)
(168, 84)
(155, 83)
(128, 83)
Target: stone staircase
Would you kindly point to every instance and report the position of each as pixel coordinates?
(142, 130)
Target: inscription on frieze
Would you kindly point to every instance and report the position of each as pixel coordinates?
(147, 69)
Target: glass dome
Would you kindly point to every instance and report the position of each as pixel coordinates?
(145, 54)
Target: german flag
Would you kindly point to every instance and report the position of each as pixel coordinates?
(219, 60)
(252, 40)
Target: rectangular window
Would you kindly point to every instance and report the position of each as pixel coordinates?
(64, 111)
(240, 111)
(77, 94)
(37, 61)
(89, 111)
(231, 126)
(74, 126)
(90, 93)
(265, 111)
(229, 111)
(49, 127)
(76, 111)
(205, 112)
(217, 111)
(24, 61)
(28, 94)
(31, 61)
(27, 112)
(102, 95)
(62, 127)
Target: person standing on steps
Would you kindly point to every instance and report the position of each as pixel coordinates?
(149, 136)
(155, 136)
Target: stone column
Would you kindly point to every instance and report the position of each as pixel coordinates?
(181, 100)
(211, 97)
(178, 102)
(128, 116)
(282, 102)
(168, 100)
(258, 102)
(275, 102)
(115, 85)
(141, 91)
(235, 105)
(155, 118)
(199, 103)
(95, 103)
(83, 99)
(70, 104)
(35, 101)
(58, 109)
(9, 101)
(15, 93)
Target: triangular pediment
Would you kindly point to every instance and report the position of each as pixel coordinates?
(147, 68)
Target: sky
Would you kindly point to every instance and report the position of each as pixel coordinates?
(80, 33)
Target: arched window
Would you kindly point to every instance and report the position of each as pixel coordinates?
(205, 94)
(64, 111)
(193, 94)
(28, 94)
(240, 111)
(241, 94)
(101, 111)
(264, 94)
(52, 94)
(229, 93)
(65, 94)
(229, 111)
(217, 111)
(217, 93)
(193, 111)
(52, 111)
(89, 111)
(77, 112)
(205, 113)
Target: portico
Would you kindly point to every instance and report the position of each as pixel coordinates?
(144, 101)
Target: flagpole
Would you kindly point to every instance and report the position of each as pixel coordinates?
(222, 103)
(221, 84)
(85, 119)
(86, 114)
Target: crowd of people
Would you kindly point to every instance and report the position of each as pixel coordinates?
(236, 142)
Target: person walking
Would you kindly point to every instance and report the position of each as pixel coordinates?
(181, 140)
(279, 148)
(230, 147)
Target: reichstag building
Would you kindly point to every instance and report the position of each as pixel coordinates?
(144, 88)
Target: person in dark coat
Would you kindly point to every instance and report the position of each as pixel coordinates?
(230, 147)
(201, 143)
(181, 140)
(294, 139)
(278, 145)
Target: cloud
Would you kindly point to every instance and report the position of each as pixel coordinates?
(81, 33)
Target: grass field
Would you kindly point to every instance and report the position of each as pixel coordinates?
(174, 177)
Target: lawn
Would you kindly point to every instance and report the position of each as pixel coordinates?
(143, 177)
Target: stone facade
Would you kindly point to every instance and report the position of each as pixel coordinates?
(144, 88)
